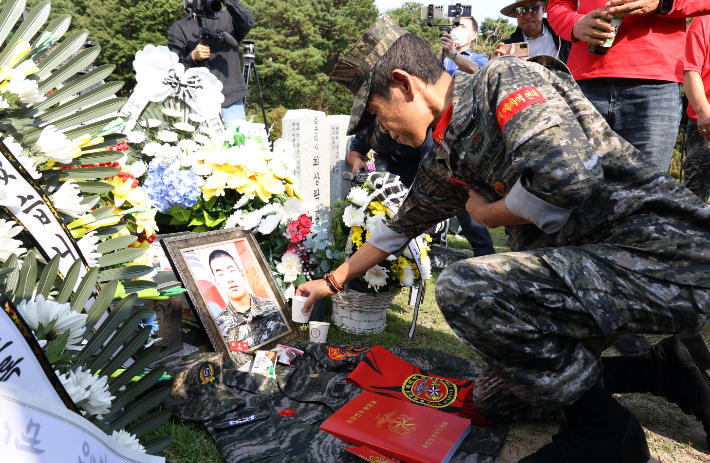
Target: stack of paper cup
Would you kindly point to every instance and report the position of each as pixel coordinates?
(318, 331)
(296, 309)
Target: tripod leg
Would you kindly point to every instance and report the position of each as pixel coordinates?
(246, 72)
(261, 100)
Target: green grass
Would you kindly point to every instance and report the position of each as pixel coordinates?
(192, 443)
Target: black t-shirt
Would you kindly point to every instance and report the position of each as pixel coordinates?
(403, 162)
(223, 62)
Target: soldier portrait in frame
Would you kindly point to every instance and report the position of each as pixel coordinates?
(231, 289)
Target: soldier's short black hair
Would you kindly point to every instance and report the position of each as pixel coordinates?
(411, 54)
(378, 140)
(216, 254)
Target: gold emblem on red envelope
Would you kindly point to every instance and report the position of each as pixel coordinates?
(402, 424)
(425, 390)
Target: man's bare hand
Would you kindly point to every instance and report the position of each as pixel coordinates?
(447, 43)
(586, 28)
(704, 127)
(476, 202)
(357, 163)
(621, 9)
(498, 51)
(314, 290)
(200, 52)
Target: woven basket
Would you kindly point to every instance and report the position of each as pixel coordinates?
(361, 313)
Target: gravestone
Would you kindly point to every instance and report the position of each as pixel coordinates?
(308, 131)
(337, 143)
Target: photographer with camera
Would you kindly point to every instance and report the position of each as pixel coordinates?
(208, 36)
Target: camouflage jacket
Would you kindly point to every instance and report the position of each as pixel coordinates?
(263, 321)
(559, 165)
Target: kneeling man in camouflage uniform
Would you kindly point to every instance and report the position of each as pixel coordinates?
(604, 245)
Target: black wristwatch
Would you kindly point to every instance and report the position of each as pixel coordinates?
(665, 6)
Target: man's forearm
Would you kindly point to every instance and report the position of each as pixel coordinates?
(694, 88)
(466, 65)
(364, 259)
(354, 156)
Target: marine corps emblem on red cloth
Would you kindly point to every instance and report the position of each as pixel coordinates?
(339, 353)
(516, 102)
(384, 373)
(438, 133)
(425, 390)
(287, 412)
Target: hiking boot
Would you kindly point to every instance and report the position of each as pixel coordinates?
(597, 429)
(677, 368)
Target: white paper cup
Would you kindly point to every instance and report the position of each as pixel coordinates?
(318, 331)
(296, 307)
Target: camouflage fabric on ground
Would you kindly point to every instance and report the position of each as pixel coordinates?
(197, 391)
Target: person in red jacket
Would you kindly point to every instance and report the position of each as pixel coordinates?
(635, 86)
(697, 88)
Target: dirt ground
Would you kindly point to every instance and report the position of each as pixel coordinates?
(673, 436)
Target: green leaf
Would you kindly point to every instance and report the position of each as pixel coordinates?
(122, 310)
(27, 279)
(102, 212)
(9, 16)
(123, 334)
(178, 220)
(138, 285)
(134, 390)
(13, 278)
(98, 308)
(125, 273)
(130, 348)
(54, 349)
(69, 46)
(200, 229)
(141, 364)
(84, 172)
(197, 221)
(81, 61)
(74, 87)
(150, 423)
(210, 204)
(157, 444)
(109, 230)
(116, 243)
(141, 407)
(69, 282)
(95, 187)
(83, 292)
(299, 280)
(120, 257)
(211, 221)
(48, 277)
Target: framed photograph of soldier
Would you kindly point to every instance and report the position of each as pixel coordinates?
(231, 290)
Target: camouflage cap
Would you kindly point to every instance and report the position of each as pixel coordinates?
(198, 392)
(354, 70)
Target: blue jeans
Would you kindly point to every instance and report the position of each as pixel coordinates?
(236, 111)
(477, 235)
(646, 113)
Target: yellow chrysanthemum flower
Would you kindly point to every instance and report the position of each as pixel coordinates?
(377, 207)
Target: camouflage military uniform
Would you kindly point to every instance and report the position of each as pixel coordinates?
(263, 321)
(697, 162)
(614, 247)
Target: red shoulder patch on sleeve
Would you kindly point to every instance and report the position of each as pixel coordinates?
(516, 102)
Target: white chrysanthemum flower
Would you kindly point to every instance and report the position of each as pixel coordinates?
(150, 123)
(353, 217)
(137, 169)
(391, 258)
(8, 246)
(201, 169)
(88, 245)
(282, 165)
(128, 440)
(91, 392)
(426, 268)
(372, 222)
(184, 126)
(359, 196)
(243, 200)
(233, 220)
(151, 148)
(269, 223)
(135, 137)
(407, 276)
(189, 160)
(194, 117)
(188, 145)
(26, 90)
(284, 146)
(167, 152)
(172, 112)
(290, 267)
(207, 131)
(3, 103)
(56, 146)
(250, 219)
(202, 139)
(41, 312)
(27, 162)
(68, 200)
(167, 136)
(376, 277)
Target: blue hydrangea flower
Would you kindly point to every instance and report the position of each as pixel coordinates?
(170, 186)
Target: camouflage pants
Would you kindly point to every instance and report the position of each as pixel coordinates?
(540, 332)
(696, 166)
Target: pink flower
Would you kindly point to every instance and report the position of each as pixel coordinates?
(293, 226)
(304, 221)
(295, 238)
(304, 231)
(292, 248)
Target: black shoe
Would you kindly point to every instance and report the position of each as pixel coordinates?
(677, 368)
(633, 344)
(597, 429)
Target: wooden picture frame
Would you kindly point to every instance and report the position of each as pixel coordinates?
(217, 268)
